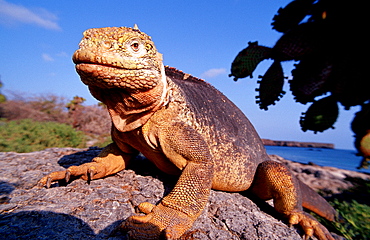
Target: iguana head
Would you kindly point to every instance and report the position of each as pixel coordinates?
(123, 69)
(118, 57)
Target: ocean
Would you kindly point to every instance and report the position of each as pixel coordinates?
(339, 158)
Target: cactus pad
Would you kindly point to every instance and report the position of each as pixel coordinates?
(247, 60)
(309, 79)
(320, 116)
(271, 86)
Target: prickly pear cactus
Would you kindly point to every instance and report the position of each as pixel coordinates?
(248, 59)
(310, 79)
(296, 43)
(327, 38)
(291, 15)
(364, 149)
(320, 116)
(360, 126)
(271, 86)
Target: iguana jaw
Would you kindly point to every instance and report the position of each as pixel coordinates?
(107, 73)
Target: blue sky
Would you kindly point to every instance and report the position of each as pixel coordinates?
(38, 38)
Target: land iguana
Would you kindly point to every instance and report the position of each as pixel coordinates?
(185, 127)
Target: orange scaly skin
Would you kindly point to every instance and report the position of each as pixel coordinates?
(185, 127)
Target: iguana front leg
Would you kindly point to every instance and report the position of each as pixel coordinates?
(180, 208)
(110, 160)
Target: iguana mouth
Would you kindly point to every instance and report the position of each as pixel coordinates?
(110, 76)
(97, 64)
(82, 56)
(105, 71)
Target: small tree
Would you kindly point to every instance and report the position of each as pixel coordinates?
(74, 109)
(2, 96)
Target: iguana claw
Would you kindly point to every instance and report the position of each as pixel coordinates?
(90, 174)
(68, 176)
(48, 182)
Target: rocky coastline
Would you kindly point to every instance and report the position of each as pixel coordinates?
(92, 211)
(269, 142)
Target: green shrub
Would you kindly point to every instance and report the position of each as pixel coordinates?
(356, 224)
(354, 210)
(28, 135)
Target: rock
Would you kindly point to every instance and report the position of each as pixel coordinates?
(329, 180)
(92, 211)
(269, 142)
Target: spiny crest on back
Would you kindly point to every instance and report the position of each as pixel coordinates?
(180, 75)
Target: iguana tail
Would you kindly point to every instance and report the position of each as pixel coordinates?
(312, 201)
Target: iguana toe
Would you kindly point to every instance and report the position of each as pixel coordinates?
(139, 227)
(310, 226)
(146, 207)
(173, 232)
(160, 221)
(87, 171)
(54, 176)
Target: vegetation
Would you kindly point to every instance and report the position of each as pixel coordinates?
(353, 206)
(325, 39)
(35, 123)
(355, 223)
(2, 96)
(28, 135)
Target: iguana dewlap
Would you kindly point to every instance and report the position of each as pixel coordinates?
(185, 127)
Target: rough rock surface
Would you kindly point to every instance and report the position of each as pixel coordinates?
(328, 180)
(92, 210)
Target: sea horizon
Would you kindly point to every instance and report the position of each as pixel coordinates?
(332, 157)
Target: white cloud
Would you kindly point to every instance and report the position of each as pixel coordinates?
(214, 72)
(47, 57)
(62, 54)
(12, 13)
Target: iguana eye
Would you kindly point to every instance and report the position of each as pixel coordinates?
(135, 46)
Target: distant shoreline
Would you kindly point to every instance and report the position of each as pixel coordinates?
(269, 142)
